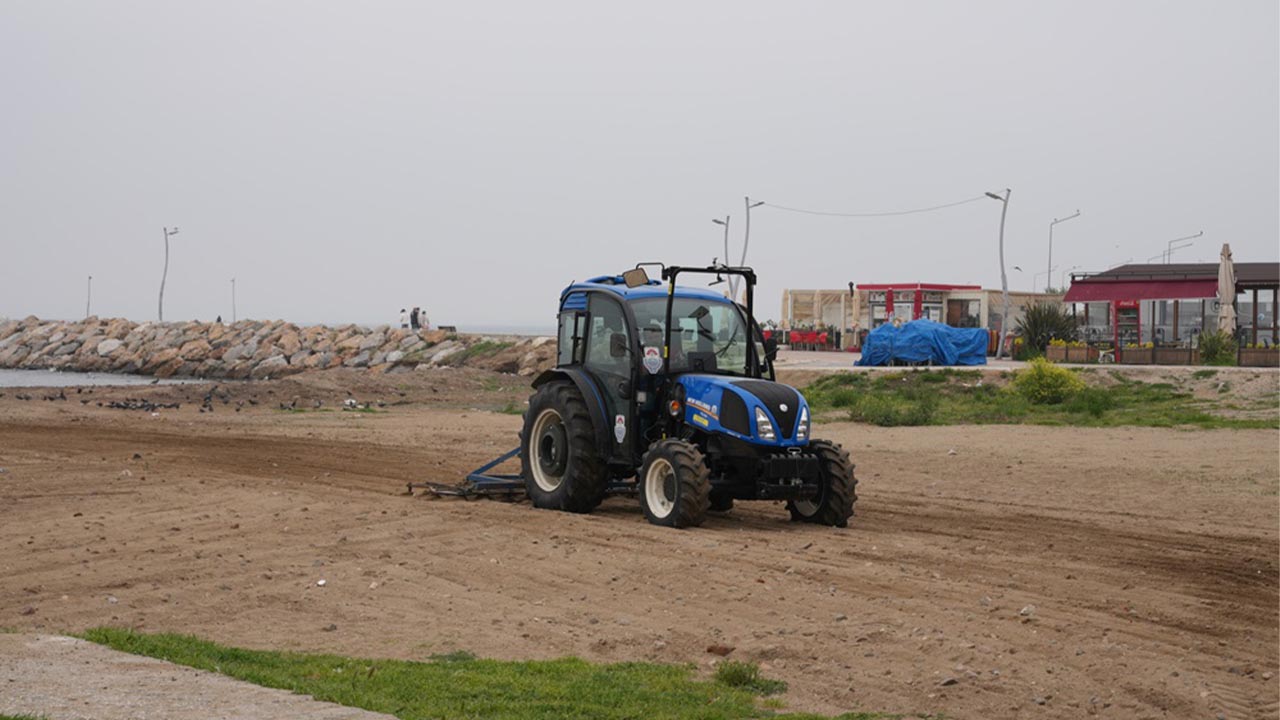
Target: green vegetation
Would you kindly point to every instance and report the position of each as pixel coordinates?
(1044, 383)
(1203, 374)
(1043, 394)
(1217, 348)
(745, 675)
(511, 408)
(19, 717)
(1043, 322)
(458, 685)
(479, 350)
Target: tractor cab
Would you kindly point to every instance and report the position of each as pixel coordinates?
(670, 391)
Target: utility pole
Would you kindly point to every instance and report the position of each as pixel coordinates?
(233, 300)
(165, 276)
(1004, 278)
(1049, 265)
(88, 297)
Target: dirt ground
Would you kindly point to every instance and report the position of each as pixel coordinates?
(991, 571)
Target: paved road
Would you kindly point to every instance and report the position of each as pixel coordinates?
(62, 678)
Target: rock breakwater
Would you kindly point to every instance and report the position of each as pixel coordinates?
(254, 349)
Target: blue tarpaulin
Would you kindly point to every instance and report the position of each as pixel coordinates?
(925, 341)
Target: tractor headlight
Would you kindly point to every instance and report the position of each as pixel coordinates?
(764, 428)
(802, 432)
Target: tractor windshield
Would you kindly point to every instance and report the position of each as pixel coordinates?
(706, 336)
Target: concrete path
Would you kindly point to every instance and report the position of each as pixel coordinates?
(62, 678)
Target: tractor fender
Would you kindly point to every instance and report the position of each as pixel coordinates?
(595, 401)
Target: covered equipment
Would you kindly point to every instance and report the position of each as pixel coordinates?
(924, 342)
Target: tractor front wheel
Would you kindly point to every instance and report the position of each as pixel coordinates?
(675, 484)
(561, 465)
(836, 488)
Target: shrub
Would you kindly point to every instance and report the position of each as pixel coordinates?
(1217, 348)
(1042, 323)
(1044, 383)
(746, 675)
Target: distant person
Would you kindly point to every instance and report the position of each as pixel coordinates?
(413, 318)
(219, 320)
(423, 322)
(404, 319)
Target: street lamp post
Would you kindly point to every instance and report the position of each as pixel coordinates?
(725, 223)
(746, 235)
(165, 276)
(1048, 278)
(88, 296)
(1049, 265)
(1004, 278)
(233, 300)
(1169, 248)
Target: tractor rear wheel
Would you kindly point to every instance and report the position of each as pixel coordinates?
(836, 488)
(675, 484)
(561, 466)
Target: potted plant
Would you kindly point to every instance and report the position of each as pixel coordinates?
(1080, 352)
(1056, 351)
(1175, 356)
(1135, 354)
(1259, 356)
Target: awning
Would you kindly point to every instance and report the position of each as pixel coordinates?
(1085, 291)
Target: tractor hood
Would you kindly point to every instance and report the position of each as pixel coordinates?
(728, 405)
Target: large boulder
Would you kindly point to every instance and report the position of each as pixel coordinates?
(197, 349)
(108, 346)
(271, 366)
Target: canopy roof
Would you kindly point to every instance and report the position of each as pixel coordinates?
(1170, 281)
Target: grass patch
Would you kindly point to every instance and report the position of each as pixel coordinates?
(1203, 374)
(458, 685)
(20, 717)
(511, 408)
(1049, 396)
(472, 352)
(746, 675)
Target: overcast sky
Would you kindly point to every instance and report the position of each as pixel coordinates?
(343, 160)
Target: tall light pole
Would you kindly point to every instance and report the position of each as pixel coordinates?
(165, 276)
(1048, 278)
(725, 223)
(233, 300)
(1049, 272)
(1004, 278)
(1168, 253)
(746, 237)
(88, 296)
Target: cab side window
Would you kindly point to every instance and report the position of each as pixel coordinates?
(571, 345)
(608, 346)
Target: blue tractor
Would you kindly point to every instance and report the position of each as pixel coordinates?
(669, 391)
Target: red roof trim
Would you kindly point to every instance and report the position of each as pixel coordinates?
(1112, 291)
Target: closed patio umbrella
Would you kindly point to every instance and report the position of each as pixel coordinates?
(1226, 292)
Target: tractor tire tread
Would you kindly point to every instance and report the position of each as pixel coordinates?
(695, 481)
(586, 478)
(837, 502)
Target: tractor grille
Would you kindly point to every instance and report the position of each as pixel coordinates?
(733, 413)
(774, 396)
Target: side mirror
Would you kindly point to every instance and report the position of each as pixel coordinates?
(770, 349)
(618, 345)
(635, 278)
